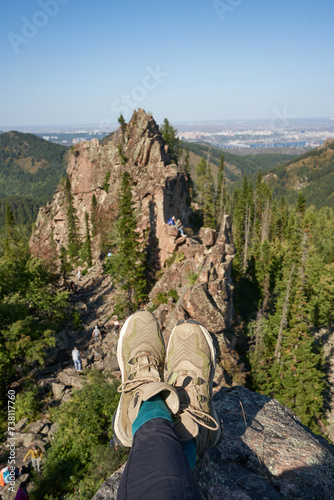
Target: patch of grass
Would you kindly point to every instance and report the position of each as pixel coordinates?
(173, 293)
(192, 277)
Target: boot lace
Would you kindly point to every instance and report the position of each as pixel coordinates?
(145, 367)
(187, 385)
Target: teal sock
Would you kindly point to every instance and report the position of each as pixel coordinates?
(189, 448)
(156, 408)
(152, 408)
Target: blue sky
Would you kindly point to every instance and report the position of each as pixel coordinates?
(84, 62)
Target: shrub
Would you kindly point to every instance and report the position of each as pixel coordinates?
(79, 459)
(160, 298)
(28, 404)
(180, 257)
(76, 320)
(192, 277)
(173, 293)
(106, 181)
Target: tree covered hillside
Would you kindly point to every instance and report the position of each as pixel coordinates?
(312, 173)
(30, 170)
(284, 283)
(236, 166)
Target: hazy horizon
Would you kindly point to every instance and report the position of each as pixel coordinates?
(291, 123)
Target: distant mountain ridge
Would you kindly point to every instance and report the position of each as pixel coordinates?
(30, 170)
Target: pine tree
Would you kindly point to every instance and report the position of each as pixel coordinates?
(65, 265)
(130, 256)
(209, 199)
(301, 203)
(72, 222)
(190, 182)
(88, 243)
(169, 135)
(201, 170)
(11, 235)
(242, 221)
(93, 216)
(122, 122)
(220, 198)
(124, 159)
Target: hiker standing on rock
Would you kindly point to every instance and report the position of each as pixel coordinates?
(76, 358)
(36, 456)
(96, 335)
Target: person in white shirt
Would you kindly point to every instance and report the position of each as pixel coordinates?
(76, 359)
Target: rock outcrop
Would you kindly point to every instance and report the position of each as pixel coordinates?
(266, 453)
(94, 170)
(201, 276)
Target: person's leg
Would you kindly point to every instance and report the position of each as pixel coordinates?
(38, 464)
(34, 463)
(157, 467)
(76, 364)
(156, 408)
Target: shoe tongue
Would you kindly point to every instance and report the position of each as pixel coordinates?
(145, 367)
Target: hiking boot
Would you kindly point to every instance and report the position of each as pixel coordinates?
(141, 357)
(191, 366)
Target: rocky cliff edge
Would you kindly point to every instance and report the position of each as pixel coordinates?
(266, 453)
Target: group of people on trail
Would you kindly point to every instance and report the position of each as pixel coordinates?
(96, 337)
(177, 223)
(8, 474)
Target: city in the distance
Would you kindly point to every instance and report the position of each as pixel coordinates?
(241, 135)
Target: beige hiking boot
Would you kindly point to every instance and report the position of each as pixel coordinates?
(141, 357)
(191, 365)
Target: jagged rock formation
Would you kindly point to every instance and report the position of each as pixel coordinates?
(202, 279)
(266, 453)
(159, 189)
